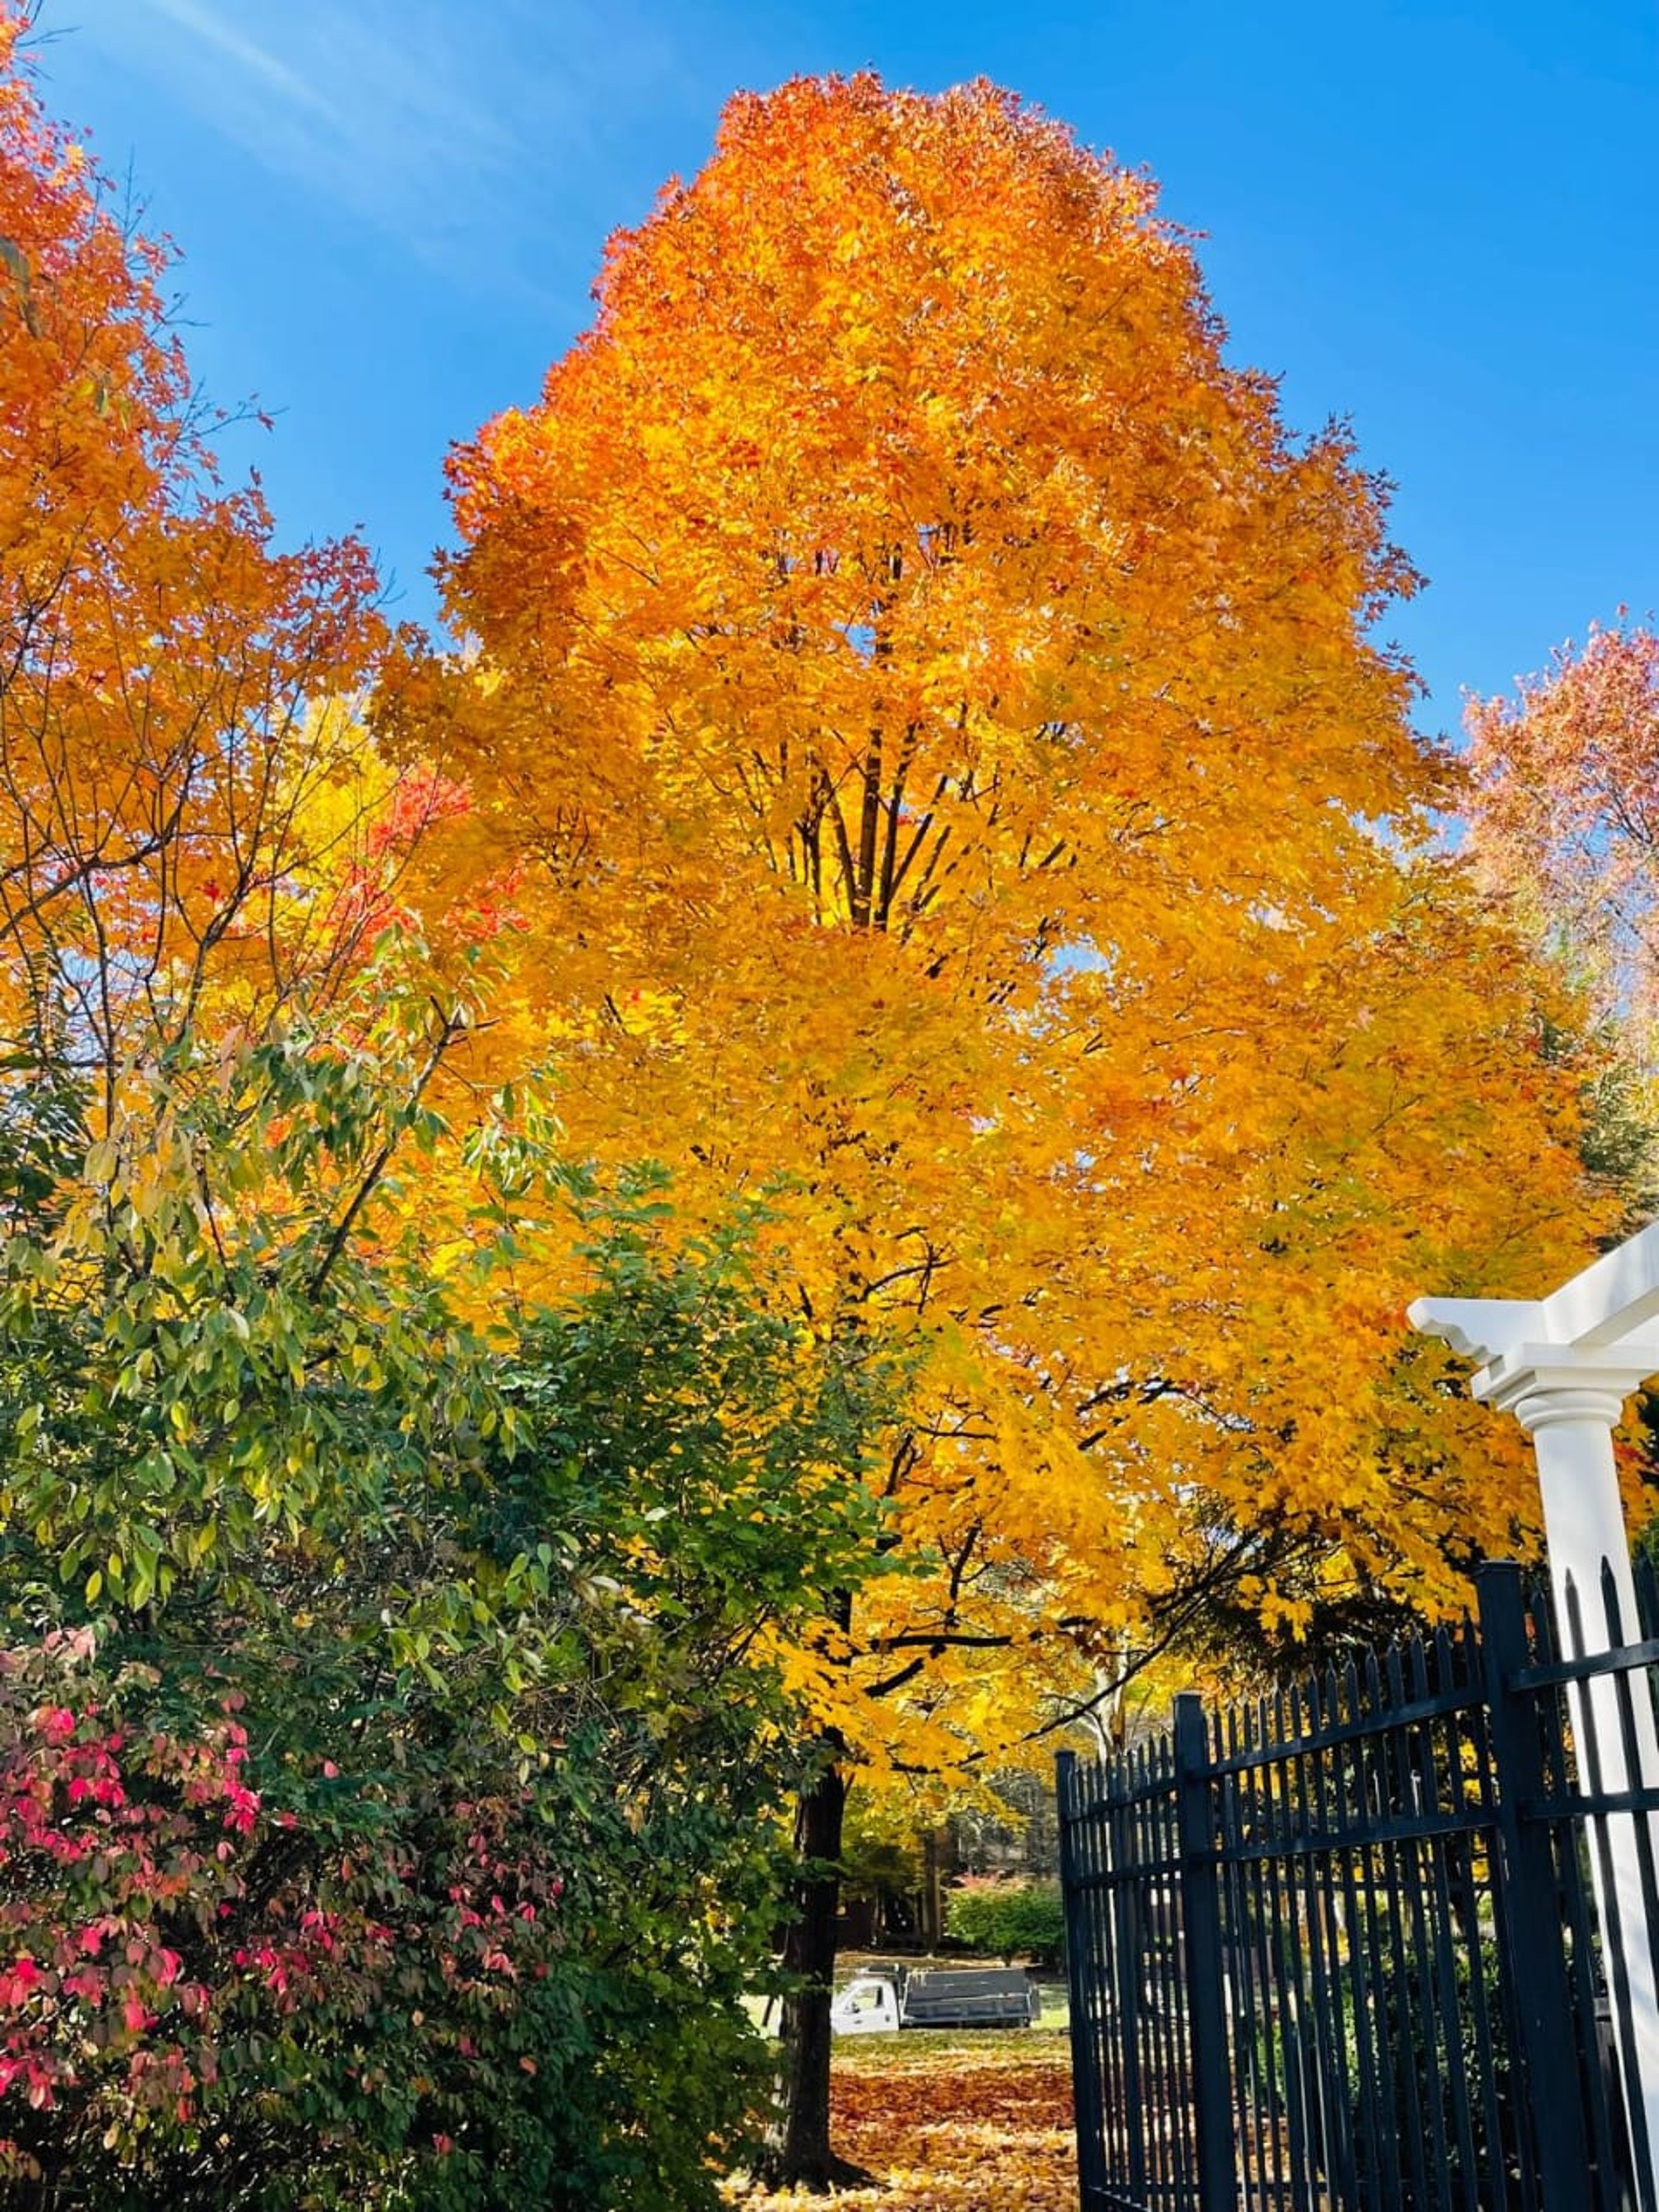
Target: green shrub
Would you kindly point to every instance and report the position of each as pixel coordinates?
(390, 1756)
(1007, 1919)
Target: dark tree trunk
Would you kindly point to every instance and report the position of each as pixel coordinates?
(797, 2154)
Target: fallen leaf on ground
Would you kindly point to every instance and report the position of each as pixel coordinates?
(944, 2128)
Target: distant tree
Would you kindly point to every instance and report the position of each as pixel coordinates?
(1566, 813)
(1564, 816)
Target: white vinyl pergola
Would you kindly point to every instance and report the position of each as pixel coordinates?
(1564, 1366)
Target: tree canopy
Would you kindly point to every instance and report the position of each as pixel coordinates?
(932, 713)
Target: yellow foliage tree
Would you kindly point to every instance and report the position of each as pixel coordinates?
(929, 711)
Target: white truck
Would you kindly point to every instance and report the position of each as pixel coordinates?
(891, 1998)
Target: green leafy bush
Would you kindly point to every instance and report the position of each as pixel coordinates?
(1007, 1919)
(390, 1732)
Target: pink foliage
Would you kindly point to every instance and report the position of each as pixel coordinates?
(147, 1946)
(1566, 807)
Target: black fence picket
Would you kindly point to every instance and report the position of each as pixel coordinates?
(1337, 1950)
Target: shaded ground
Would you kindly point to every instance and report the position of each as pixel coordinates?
(979, 2123)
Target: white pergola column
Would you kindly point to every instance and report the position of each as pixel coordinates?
(1564, 1366)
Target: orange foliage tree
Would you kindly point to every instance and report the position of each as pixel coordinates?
(931, 710)
(175, 803)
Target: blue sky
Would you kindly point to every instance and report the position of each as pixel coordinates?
(1436, 221)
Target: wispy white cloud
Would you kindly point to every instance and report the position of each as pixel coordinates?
(242, 53)
(474, 131)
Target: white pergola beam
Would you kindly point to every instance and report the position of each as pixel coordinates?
(1603, 1308)
(1611, 1298)
(1479, 1328)
(1621, 1367)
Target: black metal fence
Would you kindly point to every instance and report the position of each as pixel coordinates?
(1337, 1951)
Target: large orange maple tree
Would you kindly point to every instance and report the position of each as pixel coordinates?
(931, 712)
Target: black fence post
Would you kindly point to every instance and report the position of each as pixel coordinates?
(1083, 1980)
(1528, 1895)
(1206, 2004)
